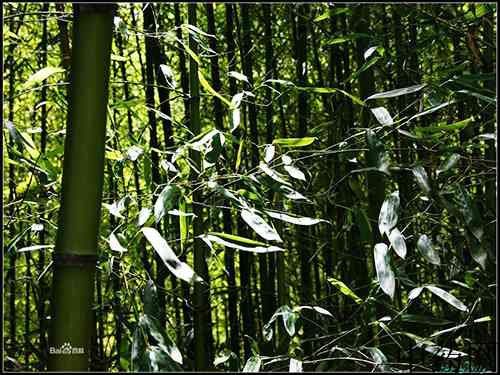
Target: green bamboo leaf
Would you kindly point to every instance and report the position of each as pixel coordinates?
(424, 245)
(397, 92)
(210, 89)
(425, 320)
(178, 268)
(41, 75)
(253, 364)
(294, 219)
(260, 226)
(151, 306)
(294, 142)
(235, 238)
(414, 293)
(398, 242)
(255, 249)
(331, 90)
(388, 216)
(165, 201)
(385, 275)
(344, 289)
(452, 300)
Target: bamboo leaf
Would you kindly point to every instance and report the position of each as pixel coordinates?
(35, 247)
(115, 245)
(272, 173)
(294, 219)
(422, 178)
(398, 242)
(178, 268)
(165, 201)
(424, 245)
(143, 216)
(294, 142)
(450, 162)
(388, 216)
(397, 92)
(384, 272)
(344, 289)
(235, 238)
(260, 226)
(414, 293)
(382, 115)
(295, 365)
(256, 249)
(41, 75)
(253, 364)
(210, 89)
(452, 300)
(269, 153)
(238, 76)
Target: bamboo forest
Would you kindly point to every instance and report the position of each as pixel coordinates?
(249, 187)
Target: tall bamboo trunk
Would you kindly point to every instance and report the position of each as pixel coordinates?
(202, 315)
(152, 63)
(234, 340)
(83, 173)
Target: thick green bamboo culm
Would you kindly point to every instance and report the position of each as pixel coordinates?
(83, 173)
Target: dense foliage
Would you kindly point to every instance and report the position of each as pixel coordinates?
(287, 186)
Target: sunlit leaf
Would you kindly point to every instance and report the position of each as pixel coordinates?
(260, 226)
(269, 153)
(35, 247)
(234, 245)
(271, 173)
(165, 201)
(41, 75)
(385, 275)
(382, 115)
(295, 172)
(178, 268)
(388, 216)
(344, 289)
(294, 219)
(422, 178)
(450, 162)
(424, 245)
(115, 245)
(238, 76)
(253, 364)
(295, 365)
(294, 142)
(204, 83)
(134, 152)
(397, 92)
(452, 300)
(398, 242)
